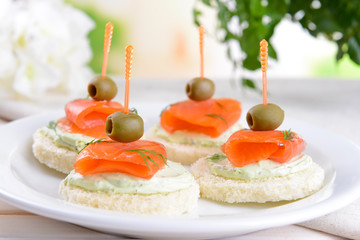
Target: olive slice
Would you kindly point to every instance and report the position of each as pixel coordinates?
(124, 127)
(265, 117)
(102, 88)
(200, 89)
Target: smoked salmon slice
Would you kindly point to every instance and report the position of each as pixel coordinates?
(119, 157)
(246, 147)
(88, 117)
(211, 117)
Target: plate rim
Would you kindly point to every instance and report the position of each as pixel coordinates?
(321, 207)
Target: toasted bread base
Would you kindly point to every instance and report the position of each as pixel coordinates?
(290, 187)
(182, 153)
(166, 204)
(46, 152)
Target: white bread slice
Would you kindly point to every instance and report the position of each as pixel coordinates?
(46, 152)
(290, 187)
(166, 204)
(181, 153)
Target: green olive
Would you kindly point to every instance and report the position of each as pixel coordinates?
(102, 88)
(265, 117)
(124, 127)
(200, 89)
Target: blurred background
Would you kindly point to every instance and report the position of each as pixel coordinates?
(166, 44)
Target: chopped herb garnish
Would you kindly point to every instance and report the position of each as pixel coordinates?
(217, 157)
(52, 125)
(288, 135)
(146, 157)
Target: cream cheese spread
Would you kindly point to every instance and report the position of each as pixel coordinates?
(172, 177)
(262, 169)
(75, 142)
(198, 139)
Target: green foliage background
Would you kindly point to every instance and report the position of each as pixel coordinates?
(338, 21)
(96, 37)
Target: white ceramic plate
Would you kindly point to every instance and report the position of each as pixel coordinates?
(33, 187)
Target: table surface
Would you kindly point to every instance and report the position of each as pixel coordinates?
(330, 104)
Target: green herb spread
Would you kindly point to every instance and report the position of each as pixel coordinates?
(197, 139)
(74, 142)
(220, 166)
(172, 177)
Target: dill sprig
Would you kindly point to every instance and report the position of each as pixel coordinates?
(146, 157)
(220, 105)
(52, 125)
(167, 107)
(217, 117)
(95, 140)
(134, 110)
(288, 135)
(217, 157)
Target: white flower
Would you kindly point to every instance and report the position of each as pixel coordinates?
(33, 76)
(43, 46)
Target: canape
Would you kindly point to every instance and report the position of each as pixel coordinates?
(57, 144)
(196, 127)
(259, 164)
(129, 175)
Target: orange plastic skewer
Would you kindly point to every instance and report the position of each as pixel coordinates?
(109, 27)
(128, 64)
(201, 38)
(264, 64)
